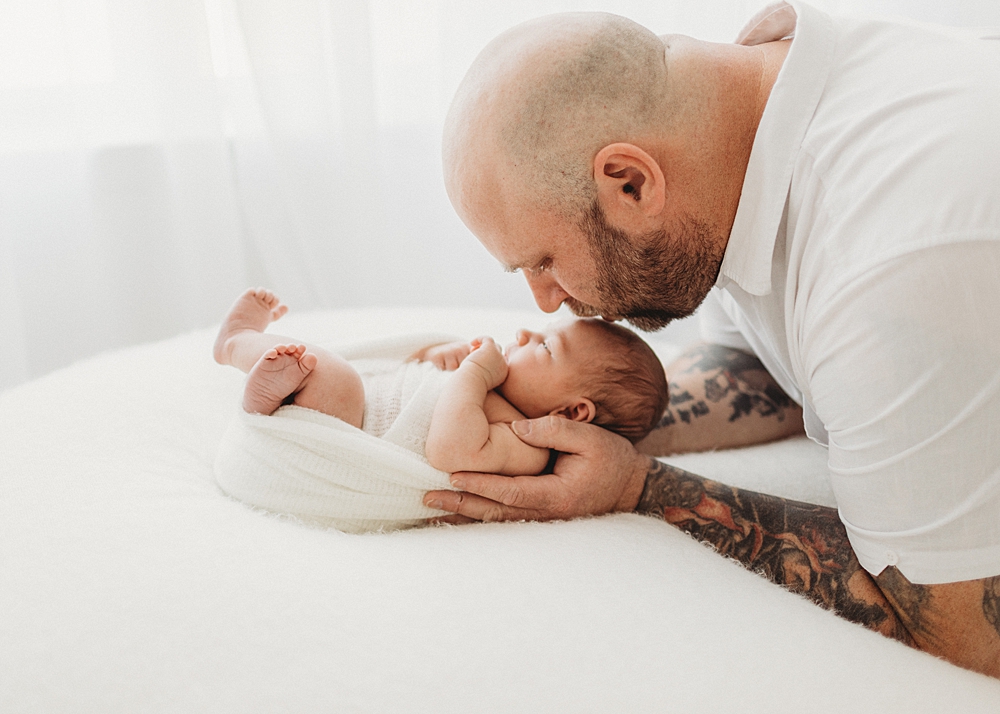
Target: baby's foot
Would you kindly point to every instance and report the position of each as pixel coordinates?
(254, 310)
(276, 376)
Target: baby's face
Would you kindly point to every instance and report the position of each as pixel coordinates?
(545, 368)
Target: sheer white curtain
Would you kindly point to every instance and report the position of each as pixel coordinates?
(158, 156)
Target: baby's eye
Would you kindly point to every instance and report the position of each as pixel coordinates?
(546, 346)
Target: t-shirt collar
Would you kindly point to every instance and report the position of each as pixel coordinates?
(786, 116)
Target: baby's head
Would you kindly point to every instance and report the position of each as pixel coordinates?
(587, 370)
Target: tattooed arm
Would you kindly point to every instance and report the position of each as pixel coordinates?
(801, 546)
(805, 548)
(721, 398)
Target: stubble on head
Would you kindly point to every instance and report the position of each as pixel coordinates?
(649, 280)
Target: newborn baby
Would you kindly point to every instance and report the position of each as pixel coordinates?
(587, 370)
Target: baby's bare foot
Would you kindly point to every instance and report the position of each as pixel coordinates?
(254, 310)
(276, 376)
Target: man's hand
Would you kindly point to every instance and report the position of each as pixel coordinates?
(597, 472)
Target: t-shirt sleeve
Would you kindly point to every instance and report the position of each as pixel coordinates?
(903, 367)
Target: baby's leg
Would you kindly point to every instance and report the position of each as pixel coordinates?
(242, 340)
(277, 375)
(311, 378)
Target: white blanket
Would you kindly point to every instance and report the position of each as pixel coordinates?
(130, 583)
(328, 473)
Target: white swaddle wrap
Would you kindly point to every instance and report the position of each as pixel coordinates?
(327, 472)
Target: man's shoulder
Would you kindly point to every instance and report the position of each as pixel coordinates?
(902, 151)
(896, 85)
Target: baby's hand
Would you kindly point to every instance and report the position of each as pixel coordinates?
(445, 357)
(489, 359)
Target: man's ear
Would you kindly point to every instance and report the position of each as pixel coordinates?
(582, 409)
(630, 185)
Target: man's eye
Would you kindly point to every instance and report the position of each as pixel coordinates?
(541, 267)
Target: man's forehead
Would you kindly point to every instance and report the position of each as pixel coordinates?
(518, 244)
(529, 237)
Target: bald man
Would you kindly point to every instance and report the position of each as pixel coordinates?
(832, 186)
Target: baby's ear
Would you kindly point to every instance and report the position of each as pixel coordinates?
(582, 410)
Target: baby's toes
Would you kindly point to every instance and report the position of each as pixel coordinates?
(308, 361)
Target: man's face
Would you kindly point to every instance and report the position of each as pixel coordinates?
(593, 267)
(598, 270)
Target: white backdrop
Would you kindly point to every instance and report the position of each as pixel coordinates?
(158, 156)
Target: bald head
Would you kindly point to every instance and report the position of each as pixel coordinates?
(607, 163)
(541, 100)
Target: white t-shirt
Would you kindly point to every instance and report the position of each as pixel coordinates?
(863, 269)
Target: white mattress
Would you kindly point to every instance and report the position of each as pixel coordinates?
(129, 583)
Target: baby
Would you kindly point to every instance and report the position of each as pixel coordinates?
(587, 370)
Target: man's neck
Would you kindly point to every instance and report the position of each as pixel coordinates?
(750, 82)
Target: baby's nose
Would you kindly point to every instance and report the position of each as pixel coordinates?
(523, 337)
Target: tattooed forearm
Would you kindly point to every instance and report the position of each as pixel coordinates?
(727, 379)
(804, 547)
(721, 398)
(913, 605)
(801, 546)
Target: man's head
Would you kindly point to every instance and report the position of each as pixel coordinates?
(587, 370)
(581, 146)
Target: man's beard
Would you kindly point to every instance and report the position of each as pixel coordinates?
(652, 280)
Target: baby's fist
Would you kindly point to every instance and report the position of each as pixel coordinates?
(488, 357)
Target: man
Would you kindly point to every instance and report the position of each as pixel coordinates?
(833, 186)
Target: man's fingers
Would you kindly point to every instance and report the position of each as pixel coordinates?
(526, 497)
(552, 432)
(516, 492)
(475, 506)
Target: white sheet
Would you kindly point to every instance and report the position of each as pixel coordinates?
(129, 583)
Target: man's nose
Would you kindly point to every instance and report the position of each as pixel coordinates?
(548, 294)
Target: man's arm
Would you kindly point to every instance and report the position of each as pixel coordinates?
(804, 547)
(721, 398)
(801, 546)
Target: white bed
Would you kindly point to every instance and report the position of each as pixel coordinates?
(129, 583)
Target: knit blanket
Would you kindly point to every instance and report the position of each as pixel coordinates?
(324, 471)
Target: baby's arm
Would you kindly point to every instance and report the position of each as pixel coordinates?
(446, 357)
(470, 427)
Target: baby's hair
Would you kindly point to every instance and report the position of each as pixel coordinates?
(629, 387)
